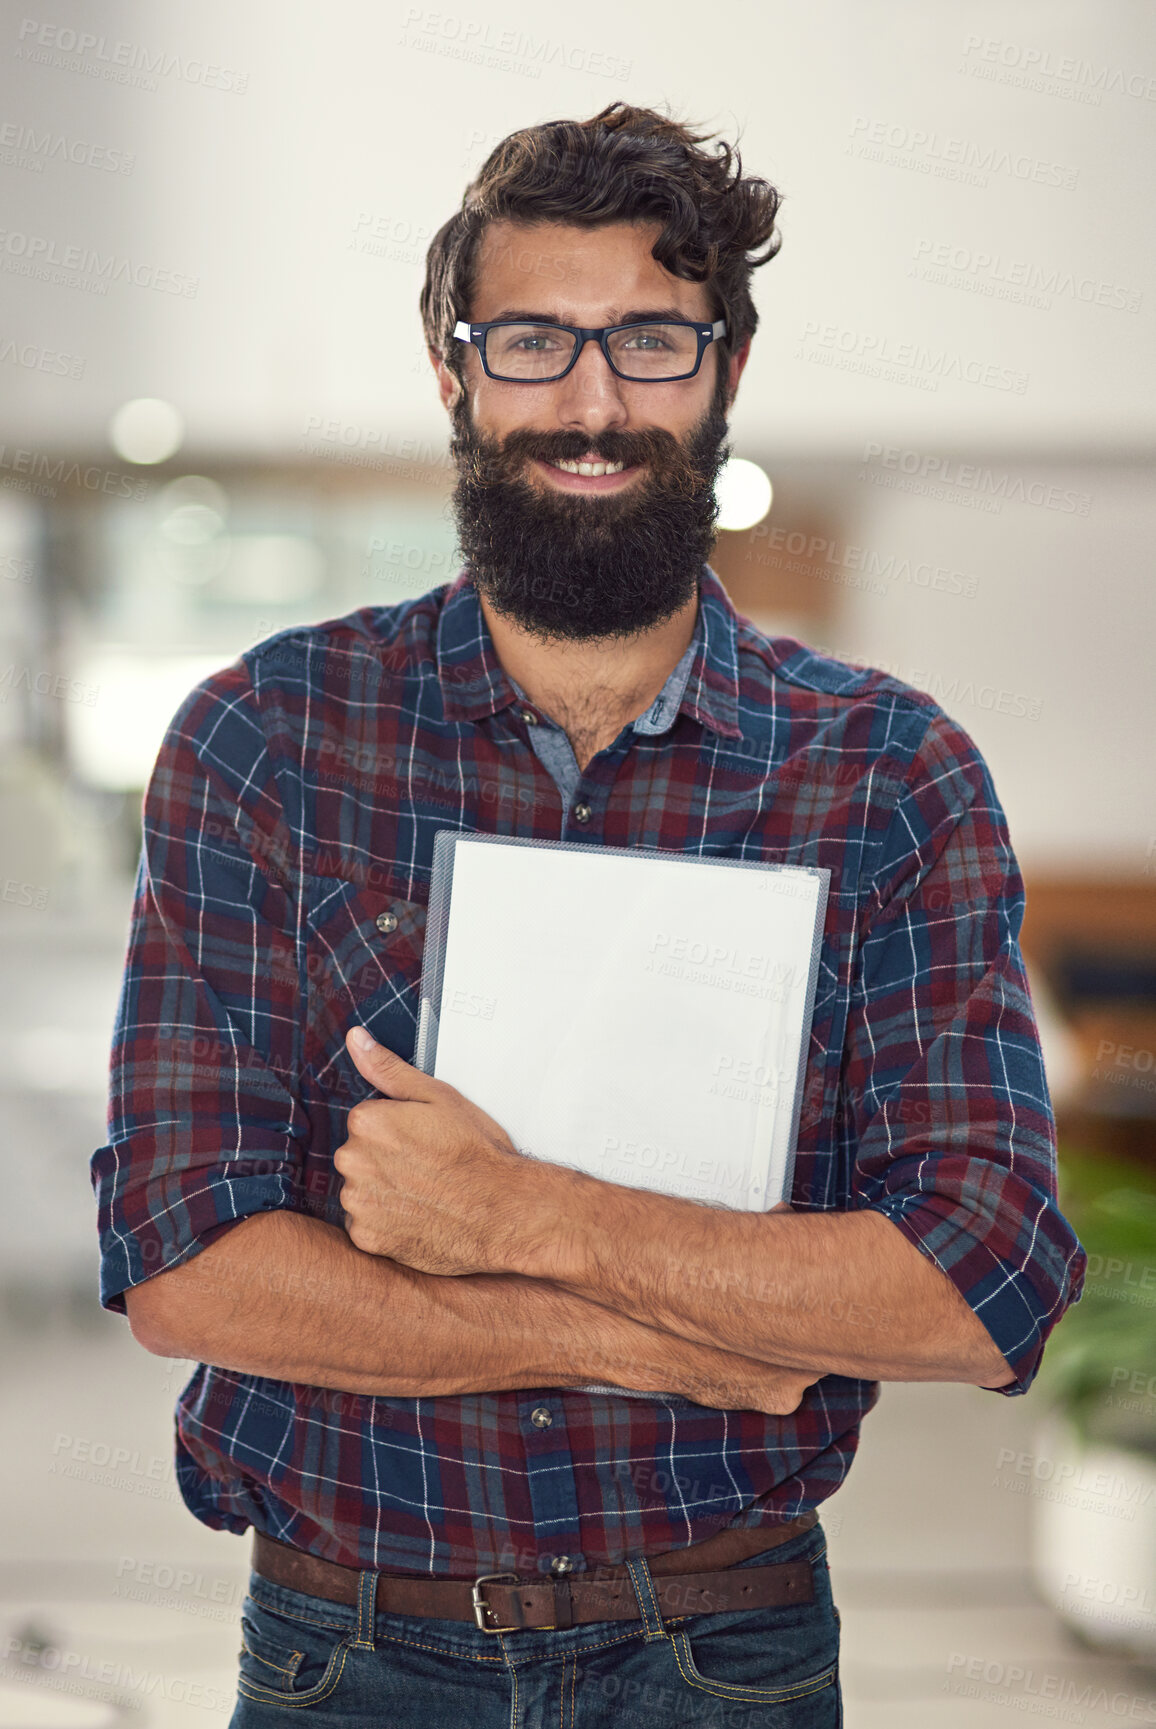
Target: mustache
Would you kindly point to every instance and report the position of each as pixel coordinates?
(487, 460)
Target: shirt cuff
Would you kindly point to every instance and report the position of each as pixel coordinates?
(1003, 1296)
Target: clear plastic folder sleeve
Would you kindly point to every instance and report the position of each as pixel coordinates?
(612, 1014)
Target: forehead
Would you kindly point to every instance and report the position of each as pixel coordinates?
(578, 274)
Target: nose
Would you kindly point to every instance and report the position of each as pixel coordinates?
(590, 395)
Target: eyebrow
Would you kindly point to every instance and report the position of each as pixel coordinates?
(652, 314)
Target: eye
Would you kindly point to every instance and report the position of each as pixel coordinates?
(523, 339)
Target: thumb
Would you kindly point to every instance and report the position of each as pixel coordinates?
(384, 1069)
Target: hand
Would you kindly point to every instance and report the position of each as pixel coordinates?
(429, 1178)
(708, 1374)
(726, 1381)
(654, 1362)
(744, 1384)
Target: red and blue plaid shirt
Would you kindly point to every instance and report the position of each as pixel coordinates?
(294, 801)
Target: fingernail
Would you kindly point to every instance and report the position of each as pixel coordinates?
(364, 1040)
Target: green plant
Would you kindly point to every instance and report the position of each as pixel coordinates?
(1100, 1362)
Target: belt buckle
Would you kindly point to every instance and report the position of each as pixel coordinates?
(482, 1608)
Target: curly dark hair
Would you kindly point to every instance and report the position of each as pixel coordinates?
(625, 164)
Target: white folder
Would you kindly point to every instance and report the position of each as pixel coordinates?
(639, 1014)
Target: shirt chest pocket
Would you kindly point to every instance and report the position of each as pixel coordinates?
(363, 953)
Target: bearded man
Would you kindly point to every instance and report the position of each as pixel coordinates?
(395, 1316)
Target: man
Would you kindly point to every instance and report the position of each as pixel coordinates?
(390, 1308)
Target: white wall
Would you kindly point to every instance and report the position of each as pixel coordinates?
(1048, 663)
(380, 113)
(376, 116)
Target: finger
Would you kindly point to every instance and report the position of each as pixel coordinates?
(385, 1070)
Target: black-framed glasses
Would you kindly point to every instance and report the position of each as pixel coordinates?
(521, 352)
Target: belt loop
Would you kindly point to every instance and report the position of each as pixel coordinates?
(563, 1603)
(644, 1590)
(366, 1608)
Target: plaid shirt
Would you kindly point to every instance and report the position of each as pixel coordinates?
(295, 799)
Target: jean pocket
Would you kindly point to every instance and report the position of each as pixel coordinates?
(769, 1655)
(765, 1676)
(288, 1661)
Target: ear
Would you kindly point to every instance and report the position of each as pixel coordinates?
(735, 370)
(448, 387)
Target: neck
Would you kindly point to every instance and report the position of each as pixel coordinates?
(612, 677)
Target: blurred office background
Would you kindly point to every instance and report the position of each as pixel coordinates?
(217, 418)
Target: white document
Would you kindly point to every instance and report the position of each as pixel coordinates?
(641, 1018)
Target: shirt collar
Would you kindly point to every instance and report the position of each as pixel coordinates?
(474, 682)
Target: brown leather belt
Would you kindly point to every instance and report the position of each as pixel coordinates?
(691, 1581)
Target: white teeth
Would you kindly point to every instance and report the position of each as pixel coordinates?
(590, 467)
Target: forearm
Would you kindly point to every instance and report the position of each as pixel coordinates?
(845, 1293)
(285, 1295)
(428, 1179)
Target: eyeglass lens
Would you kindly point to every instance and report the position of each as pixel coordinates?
(541, 351)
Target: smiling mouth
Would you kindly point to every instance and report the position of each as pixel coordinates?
(596, 466)
(594, 472)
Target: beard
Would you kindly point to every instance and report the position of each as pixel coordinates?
(573, 568)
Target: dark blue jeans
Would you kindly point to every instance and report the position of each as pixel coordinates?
(774, 1668)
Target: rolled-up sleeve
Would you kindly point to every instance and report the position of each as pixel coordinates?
(943, 1077)
(204, 1124)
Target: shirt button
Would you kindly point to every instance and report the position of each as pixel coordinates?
(561, 1564)
(582, 813)
(530, 718)
(386, 922)
(540, 1417)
